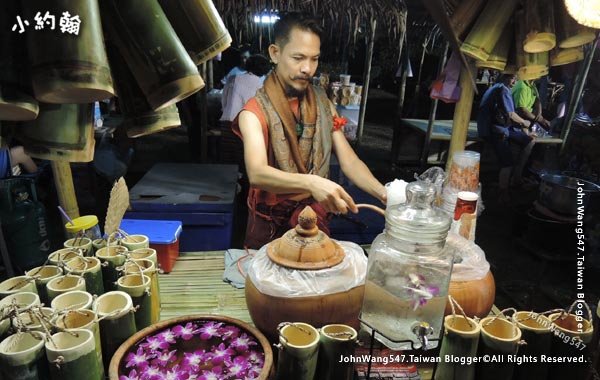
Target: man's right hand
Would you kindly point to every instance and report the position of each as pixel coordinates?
(526, 124)
(332, 196)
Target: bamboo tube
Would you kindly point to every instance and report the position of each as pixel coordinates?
(461, 338)
(68, 67)
(499, 56)
(487, 30)
(569, 32)
(117, 322)
(464, 15)
(571, 338)
(462, 116)
(73, 300)
(114, 257)
(298, 352)
(133, 242)
(72, 355)
(83, 319)
(139, 117)
(539, 23)
(33, 323)
(84, 244)
(22, 357)
(91, 270)
(498, 337)
(145, 253)
(530, 66)
(336, 341)
(199, 26)
(64, 284)
(560, 56)
(42, 276)
(17, 285)
(536, 332)
(149, 45)
(149, 270)
(138, 287)
(23, 301)
(16, 100)
(61, 256)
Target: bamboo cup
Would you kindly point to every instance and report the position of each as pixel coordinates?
(138, 287)
(33, 321)
(112, 257)
(145, 253)
(461, 339)
(336, 341)
(64, 284)
(22, 301)
(72, 355)
(22, 357)
(572, 336)
(91, 270)
(488, 28)
(83, 243)
(133, 242)
(73, 300)
(17, 284)
(117, 322)
(298, 351)
(83, 319)
(42, 276)
(61, 256)
(536, 332)
(499, 337)
(499, 55)
(539, 23)
(530, 66)
(147, 267)
(560, 56)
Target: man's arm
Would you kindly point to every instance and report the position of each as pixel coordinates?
(331, 195)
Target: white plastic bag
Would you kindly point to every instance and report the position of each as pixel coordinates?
(277, 281)
(469, 260)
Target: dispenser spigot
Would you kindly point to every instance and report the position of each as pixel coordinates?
(422, 330)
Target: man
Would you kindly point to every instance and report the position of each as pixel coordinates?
(527, 103)
(499, 124)
(288, 131)
(241, 66)
(11, 160)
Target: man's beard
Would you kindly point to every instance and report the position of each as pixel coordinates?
(292, 92)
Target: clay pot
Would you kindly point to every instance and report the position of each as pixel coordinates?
(475, 297)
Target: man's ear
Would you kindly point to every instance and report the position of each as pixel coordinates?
(274, 53)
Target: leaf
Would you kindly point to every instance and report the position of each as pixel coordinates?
(117, 206)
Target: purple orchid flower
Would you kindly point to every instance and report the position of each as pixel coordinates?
(131, 376)
(176, 374)
(194, 359)
(237, 367)
(221, 353)
(139, 359)
(212, 374)
(154, 344)
(185, 332)
(229, 332)
(168, 336)
(151, 373)
(209, 330)
(255, 357)
(420, 291)
(164, 358)
(242, 343)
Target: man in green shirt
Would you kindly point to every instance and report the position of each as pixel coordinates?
(527, 103)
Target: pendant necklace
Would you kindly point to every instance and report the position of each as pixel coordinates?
(299, 124)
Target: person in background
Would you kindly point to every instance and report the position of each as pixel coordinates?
(241, 66)
(289, 130)
(11, 160)
(527, 103)
(240, 88)
(499, 124)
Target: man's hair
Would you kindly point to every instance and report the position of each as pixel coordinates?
(290, 20)
(258, 65)
(504, 77)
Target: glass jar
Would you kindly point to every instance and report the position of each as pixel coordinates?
(84, 226)
(408, 273)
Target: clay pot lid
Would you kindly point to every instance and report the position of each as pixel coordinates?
(305, 246)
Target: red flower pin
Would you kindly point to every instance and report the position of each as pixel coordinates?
(339, 122)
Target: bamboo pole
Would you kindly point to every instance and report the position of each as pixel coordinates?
(432, 112)
(63, 180)
(203, 118)
(367, 79)
(465, 14)
(576, 94)
(209, 74)
(462, 114)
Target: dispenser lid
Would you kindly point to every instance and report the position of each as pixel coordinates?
(305, 246)
(417, 216)
(82, 223)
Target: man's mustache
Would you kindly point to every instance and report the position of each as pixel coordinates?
(302, 77)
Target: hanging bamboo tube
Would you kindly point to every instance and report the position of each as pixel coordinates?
(199, 26)
(68, 65)
(511, 62)
(487, 30)
(146, 40)
(464, 15)
(530, 65)
(539, 23)
(16, 100)
(139, 118)
(568, 31)
(499, 56)
(560, 56)
(61, 132)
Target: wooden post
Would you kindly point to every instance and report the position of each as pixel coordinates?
(576, 94)
(367, 79)
(432, 112)
(462, 114)
(203, 118)
(210, 83)
(63, 181)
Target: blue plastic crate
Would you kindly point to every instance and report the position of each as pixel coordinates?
(158, 231)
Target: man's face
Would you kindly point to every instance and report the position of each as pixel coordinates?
(511, 80)
(244, 57)
(297, 60)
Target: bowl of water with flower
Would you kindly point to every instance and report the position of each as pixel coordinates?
(202, 347)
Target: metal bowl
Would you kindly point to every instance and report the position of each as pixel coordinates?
(559, 193)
